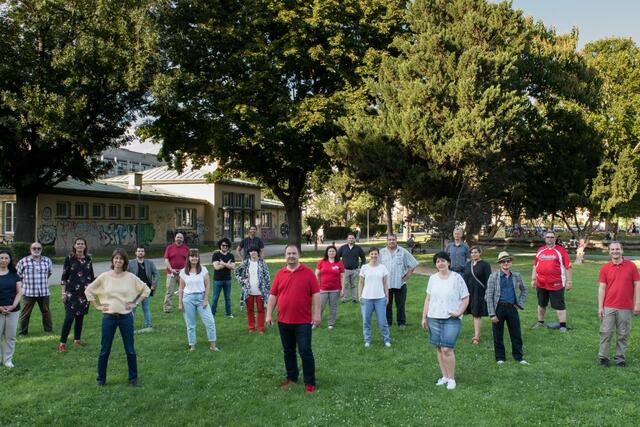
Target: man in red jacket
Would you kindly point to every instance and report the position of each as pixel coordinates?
(551, 275)
(295, 291)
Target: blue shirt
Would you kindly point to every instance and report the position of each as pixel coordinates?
(507, 290)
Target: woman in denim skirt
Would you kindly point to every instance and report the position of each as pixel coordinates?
(447, 299)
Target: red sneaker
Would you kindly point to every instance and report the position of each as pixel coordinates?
(286, 384)
(77, 343)
(309, 389)
(62, 348)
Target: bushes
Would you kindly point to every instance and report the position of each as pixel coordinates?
(337, 233)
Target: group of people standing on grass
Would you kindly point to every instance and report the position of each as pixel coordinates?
(463, 284)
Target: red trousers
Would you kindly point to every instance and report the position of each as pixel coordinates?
(257, 299)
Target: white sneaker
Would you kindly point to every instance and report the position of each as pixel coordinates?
(500, 362)
(523, 362)
(451, 384)
(387, 344)
(442, 381)
(329, 327)
(9, 365)
(367, 344)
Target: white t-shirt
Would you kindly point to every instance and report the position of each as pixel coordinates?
(373, 281)
(253, 278)
(445, 295)
(193, 283)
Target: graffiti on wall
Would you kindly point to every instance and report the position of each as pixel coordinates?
(102, 235)
(47, 230)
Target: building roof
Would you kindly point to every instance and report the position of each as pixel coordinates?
(166, 175)
(103, 189)
(270, 203)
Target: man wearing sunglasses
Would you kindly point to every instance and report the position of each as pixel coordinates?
(35, 270)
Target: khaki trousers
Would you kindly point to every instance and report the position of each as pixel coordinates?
(615, 320)
(351, 285)
(172, 286)
(8, 329)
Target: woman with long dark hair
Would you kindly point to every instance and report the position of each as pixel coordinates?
(77, 273)
(10, 294)
(119, 292)
(330, 274)
(476, 273)
(193, 297)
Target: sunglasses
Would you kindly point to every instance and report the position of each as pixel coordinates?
(36, 249)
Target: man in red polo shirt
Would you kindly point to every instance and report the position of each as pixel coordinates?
(295, 290)
(551, 275)
(619, 278)
(175, 258)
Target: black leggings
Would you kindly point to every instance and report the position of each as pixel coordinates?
(66, 326)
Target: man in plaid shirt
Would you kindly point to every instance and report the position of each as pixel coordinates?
(35, 271)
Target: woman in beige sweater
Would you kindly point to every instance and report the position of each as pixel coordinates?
(119, 292)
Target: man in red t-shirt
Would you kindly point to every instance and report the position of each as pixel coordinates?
(619, 278)
(175, 258)
(551, 275)
(295, 290)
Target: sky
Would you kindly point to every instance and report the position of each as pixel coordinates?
(595, 19)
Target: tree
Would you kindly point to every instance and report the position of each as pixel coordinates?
(72, 77)
(258, 85)
(616, 186)
(491, 104)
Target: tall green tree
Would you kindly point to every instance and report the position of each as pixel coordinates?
(617, 62)
(73, 74)
(258, 85)
(492, 103)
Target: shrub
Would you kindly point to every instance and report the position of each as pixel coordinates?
(20, 250)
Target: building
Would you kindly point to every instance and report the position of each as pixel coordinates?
(124, 161)
(113, 212)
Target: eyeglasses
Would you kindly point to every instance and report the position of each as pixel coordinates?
(505, 261)
(224, 246)
(36, 249)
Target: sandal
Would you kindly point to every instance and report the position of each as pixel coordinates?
(475, 340)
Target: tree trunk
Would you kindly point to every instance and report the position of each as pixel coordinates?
(25, 230)
(294, 219)
(388, 209)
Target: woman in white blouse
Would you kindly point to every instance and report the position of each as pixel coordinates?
(373, 293)
(447, 299)
(193, 297)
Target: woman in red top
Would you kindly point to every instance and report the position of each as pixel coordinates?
(330, 274)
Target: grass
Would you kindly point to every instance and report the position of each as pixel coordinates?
(239, 386)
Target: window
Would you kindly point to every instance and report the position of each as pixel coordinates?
(9, 217)
(128, 211)
(97, 210)
(227, 199)
(143, 212)
(249, 201)
(267, 220)
(62, 209)
(185, 218)
(113, 212)
(239, 200)
(81, 210)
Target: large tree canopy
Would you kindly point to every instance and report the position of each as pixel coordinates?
(257, 85)
(493, 103)
(72, 77)
(617, 62)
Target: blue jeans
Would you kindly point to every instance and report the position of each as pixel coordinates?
(193, 304)
(111, 322)
(146, 311)
(368, 306)
(218, 286)
(300, 334)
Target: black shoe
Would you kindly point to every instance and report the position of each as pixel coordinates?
(622, 364)
(22, 334)
(134, 383)
(101, 384)
(604, 363)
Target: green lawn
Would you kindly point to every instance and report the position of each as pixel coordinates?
(356, 386)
